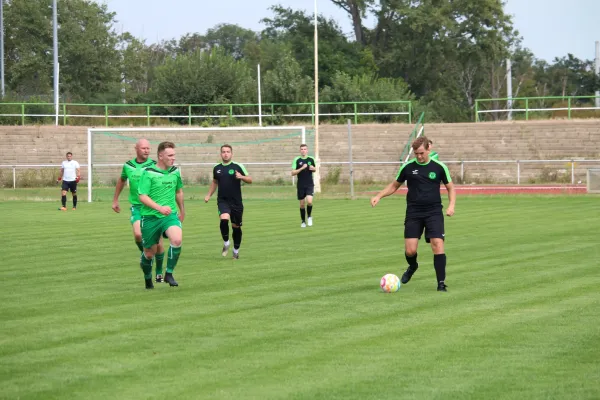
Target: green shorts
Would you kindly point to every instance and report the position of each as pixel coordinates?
(135, 214)
(154, 227)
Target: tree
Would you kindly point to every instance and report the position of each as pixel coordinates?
(89, 62)
(357, 10)
(285, 83)
(233, 39)
(203, 78)
(296, 29)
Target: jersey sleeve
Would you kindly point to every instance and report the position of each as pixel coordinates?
(295, 164)
(242, 169)
(179, 181)
(144, 183)
(215, 172)
(314, 163)
(401, 177)
(124, 172)
(446, 178)
(77, 164)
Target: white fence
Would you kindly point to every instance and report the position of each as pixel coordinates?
(518, 165)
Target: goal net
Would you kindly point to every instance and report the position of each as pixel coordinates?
(593, 180)
(267, 152)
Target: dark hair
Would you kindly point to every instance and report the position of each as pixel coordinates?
(165, 145)
(303, 145)
(421, 141)
(69, 153)
(228, 146)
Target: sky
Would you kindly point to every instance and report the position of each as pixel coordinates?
(550, 28)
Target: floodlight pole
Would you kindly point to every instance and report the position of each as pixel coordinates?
(509, 104)
(317, 176)
(2, 46)
(259, 99)
(597, 70)
(55, 40)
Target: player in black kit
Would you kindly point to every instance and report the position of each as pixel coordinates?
(423, 176)
(303, 166)
(228, 176)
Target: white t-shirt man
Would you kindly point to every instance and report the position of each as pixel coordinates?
(69, 170)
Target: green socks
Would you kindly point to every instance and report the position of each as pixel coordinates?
(159, 263)
(172, 258)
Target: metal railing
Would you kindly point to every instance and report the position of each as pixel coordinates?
(522, 107)
(24, 113)
(569, 164)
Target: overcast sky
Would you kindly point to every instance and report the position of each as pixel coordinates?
(550, 28)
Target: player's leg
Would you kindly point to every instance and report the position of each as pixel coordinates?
(137, 229)
(175, 234)
(63, 195)
(151, 232)
(309, 205)
(73, 188)
(301, 196)
(434, 233)
(413, 229)
(159, 259)
(236, 227)
(224, 217)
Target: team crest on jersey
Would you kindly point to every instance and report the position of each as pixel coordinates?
(231, 172)
(309, 163)
(432, 175)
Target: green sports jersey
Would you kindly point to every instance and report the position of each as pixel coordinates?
(161, 186)
(132, 171)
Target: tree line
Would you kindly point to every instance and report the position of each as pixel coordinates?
(440, 54)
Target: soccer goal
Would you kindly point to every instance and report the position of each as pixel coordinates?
(267, 152)
(593, 180)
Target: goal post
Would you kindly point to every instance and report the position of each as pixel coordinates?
(593, 180)
(269, 151)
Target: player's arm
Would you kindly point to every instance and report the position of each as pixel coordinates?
(387, 191)
(447, 181)
(213, 186)
(242, 174)
(244, 178)
(179, 200)
(313, 167)
(62, 171)
(148, 202)
(118, 189)
(451, 198)
(144, 187)
(297, 171)
(78, 174)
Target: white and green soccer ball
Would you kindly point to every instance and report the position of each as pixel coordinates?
(390, 283)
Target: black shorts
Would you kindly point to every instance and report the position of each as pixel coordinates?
(433, 225)
(304, 191)
(235, 211)
(72, 186)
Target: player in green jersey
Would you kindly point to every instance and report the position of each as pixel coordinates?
(433, 154)
(132, 170)
(161, 191)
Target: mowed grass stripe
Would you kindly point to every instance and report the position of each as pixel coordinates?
(300, 315)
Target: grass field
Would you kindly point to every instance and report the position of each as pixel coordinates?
(300, 315)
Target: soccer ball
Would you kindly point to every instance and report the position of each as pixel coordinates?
(390, 283)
